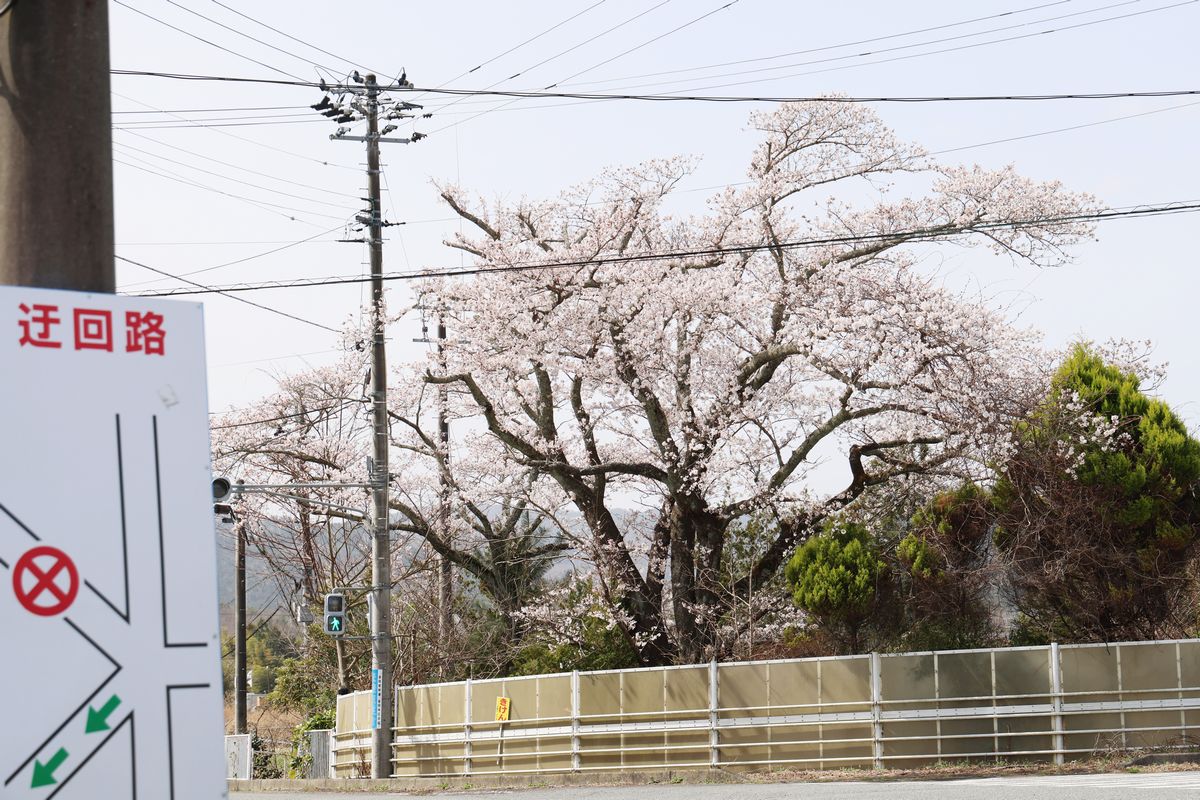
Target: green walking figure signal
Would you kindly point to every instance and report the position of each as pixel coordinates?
(335, 614)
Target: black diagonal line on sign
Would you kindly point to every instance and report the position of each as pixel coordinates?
(162, 552)
(133, 755)
(124, 535)
(80, 708)
(20, 524)
(3, 563)
(171, 736)
(99, 747)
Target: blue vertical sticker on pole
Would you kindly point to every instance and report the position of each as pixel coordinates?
(376, 675)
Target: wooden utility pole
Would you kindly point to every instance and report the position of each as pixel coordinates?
(56, 206)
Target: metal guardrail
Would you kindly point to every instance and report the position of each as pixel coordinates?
(1035, 703)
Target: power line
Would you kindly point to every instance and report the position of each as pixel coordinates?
(824, 48)
(234, 118)
(531, 39)
(286, 246)
(251, 38)
(674, 98)
(562, 53)
(921, 55)
(293, 38)
(227, 177)
(215, 110)
(274, 208)
(206, 41)
(148, 126)
(214, 129)
(646, 43)
(282, 417)
(1063, 130)
(897, 236)
(321, 189)
(211, 290)
(599, 64)
(215, 243)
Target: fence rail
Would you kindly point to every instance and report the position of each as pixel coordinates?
(880, 710)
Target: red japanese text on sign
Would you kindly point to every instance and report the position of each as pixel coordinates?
(145, 332)
(35, 331)
(93, 329)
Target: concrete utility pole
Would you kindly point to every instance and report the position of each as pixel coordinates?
(381, 544)
(239, 639)
(366, 106)
(445, 568)
(56, 206)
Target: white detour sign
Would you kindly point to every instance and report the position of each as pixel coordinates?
(110, 682)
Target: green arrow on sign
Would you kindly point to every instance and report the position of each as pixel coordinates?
(43, 774)
(98, 720)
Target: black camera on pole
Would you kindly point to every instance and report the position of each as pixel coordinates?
(335, 614)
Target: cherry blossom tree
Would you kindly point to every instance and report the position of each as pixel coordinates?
(704, 367)
(312, 430)
(492, 520)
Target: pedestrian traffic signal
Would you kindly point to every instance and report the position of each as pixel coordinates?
(335, 614)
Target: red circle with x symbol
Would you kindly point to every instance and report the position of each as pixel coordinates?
(41, 593)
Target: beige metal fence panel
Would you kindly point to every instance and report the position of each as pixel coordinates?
(794, 701)
(351, 756)
(892, 710)
(743, 713)
(907, 684)
(600, 714)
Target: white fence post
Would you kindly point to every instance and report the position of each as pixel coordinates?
(1056, 703)
(467, 751)
(876, 710)
(714, 704)
(575, 760)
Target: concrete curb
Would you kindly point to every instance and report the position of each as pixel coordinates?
(425, 785)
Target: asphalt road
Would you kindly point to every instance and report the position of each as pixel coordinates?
(1157, 786)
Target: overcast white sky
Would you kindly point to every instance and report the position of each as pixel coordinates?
(1138, 281)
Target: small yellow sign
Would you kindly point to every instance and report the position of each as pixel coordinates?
(503, 705)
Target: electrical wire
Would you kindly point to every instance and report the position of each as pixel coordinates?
(825, 48)
(216, 110)
(597, 65)
(211, 290)
(274, 208)
(177, 126)
(895, 236)
(282, 417)
(1063, 130)
(907, 46)
(322, 189)
(213, 243)
(294, 39)
(646, 43)
(239, 260)
(263, 145)
(235, 118)
(531, 39)
(558, 55)
(308, 61)
(675, 98)
(124, 146)
(958, 48)
(206, 41)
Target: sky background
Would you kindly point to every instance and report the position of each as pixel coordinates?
(194, 186)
